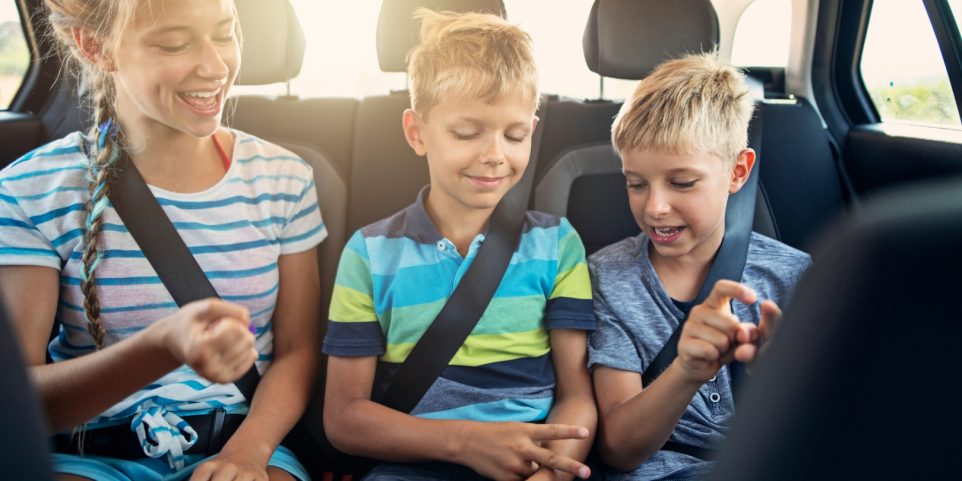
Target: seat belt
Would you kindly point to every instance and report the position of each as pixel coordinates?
(441, 341)
(164, 248)
(730, 261)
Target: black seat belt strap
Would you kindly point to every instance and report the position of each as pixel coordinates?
(730, 261)
(164, 248)
(432, 353)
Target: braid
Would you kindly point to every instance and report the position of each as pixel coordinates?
(105, 155)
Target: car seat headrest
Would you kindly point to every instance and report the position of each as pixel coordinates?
(628, 38)
(397, 31)
(273, 42)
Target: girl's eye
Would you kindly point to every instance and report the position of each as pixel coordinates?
(225, 38)
(172, 48)
(515, 138)
(637, 187)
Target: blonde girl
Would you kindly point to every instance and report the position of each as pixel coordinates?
(135, 379)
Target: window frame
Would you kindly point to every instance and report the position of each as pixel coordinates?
(950, 43)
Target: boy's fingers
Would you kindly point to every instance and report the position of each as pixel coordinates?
(553, 460)
(551, 432)
(726, 290)
(698, 349)
(771, 314)
(711, 335)
(747, 332)
(745, 353)
(722, 321)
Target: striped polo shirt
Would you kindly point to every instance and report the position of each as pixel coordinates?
(264, 207)
(395, 276)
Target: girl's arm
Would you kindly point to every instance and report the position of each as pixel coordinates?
(574, 399)
(356, 425)
(76, 390)
(283, 391)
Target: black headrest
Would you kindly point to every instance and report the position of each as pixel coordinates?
(628, 38)
(273, 47)
(397, 32)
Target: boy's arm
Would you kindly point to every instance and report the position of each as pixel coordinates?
(356, 425)
(574, 399)
(637, 420)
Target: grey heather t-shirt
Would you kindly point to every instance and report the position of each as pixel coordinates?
(636, 317)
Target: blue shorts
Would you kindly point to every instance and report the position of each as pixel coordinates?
(149, 469)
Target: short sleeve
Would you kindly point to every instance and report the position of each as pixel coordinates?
(611, 345)
(21, 243)
(304, 228)
(569, 304)
(354, 329)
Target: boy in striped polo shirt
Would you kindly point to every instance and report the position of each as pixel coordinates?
(474, 95)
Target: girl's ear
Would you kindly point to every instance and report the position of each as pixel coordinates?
(92, 48)
(412, 123)
(741, 170)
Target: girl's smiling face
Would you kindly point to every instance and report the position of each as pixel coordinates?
(174, 66)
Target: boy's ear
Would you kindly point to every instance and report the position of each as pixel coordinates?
(413, 123)
(92, 48)
(741, 170)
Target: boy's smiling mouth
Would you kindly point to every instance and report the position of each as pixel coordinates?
(486, 182)
(666, 235)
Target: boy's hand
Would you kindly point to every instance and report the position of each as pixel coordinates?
(512, 451)
(754, 341)
(212, 337)
(712, 333)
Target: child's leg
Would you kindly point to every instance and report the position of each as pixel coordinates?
(432, 471)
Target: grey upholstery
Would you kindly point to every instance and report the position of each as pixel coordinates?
(385, 174)
(628, 38)
(397, 32)
(273, 42)
(317, 130)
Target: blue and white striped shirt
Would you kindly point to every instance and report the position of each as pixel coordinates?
(263, 208)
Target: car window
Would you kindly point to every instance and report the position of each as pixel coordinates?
(762, 34)
(14, 54)
(902, 67)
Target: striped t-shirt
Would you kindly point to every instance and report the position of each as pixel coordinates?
(264, 207)
(395, 276)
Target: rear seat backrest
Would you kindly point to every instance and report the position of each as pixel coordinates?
(317, 130)
(385, 173)
(579, 173)
(581, 178)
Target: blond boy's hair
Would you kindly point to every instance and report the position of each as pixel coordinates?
(473, 54)
(688, 105)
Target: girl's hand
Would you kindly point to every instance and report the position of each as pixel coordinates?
(512, 451)
(712, 333)
(211, 336)
(232, 465)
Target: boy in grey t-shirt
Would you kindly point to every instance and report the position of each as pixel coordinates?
(682, 138)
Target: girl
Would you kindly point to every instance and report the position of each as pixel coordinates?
(133, 371)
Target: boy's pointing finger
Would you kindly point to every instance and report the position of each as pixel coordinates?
(726, 290)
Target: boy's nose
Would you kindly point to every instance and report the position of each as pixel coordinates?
(656, 205)
(494, 152)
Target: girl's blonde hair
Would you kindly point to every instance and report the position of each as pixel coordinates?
(688, 105)
(473, 54)
(106, 21)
